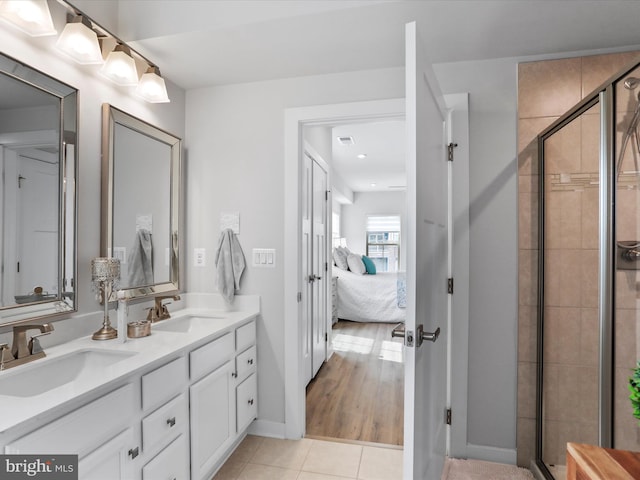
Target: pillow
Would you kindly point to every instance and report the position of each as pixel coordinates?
(355, 264)
(340, 258)
(369, 265)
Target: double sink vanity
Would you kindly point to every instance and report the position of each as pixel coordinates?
(170, 405)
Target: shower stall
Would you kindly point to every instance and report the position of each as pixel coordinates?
(589, 274)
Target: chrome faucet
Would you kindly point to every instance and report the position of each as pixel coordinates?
(159, 311)
(22, 352)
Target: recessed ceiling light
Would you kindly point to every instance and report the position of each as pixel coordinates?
(346, 140)
(374, 184)
(362, 155)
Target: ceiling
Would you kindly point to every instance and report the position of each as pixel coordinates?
(200, 43)
(383, 167)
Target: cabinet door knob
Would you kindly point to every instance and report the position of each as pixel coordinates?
(171, 421)
(133, 452)
(250, 361)
(234, 374)
(250, 402)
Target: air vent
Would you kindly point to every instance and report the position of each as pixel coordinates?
(346, 140)
(397, 187)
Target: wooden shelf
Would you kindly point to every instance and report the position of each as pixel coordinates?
(588, 462)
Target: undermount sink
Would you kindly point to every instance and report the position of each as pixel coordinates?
(45, 374)
(184, 324)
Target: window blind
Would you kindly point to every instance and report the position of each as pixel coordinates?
(383, 223)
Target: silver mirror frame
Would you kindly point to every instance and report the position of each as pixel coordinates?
(111, 116)
(66, 300)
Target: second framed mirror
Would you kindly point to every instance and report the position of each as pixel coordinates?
(141, 166)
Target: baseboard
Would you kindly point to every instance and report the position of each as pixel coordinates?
(265, 428)
(492, 454)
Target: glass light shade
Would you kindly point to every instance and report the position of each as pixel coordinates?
(152, 87)
(105, 269)
(80, 42)
(120, 67)
(30, 16)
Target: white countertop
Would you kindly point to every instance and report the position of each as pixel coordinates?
(145, 352)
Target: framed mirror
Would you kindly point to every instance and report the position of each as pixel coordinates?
(38, 159)
(140, 203)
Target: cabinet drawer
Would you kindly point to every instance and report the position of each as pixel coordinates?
(171, 463)
(247, 402)
(165, 423)
(245, 336)
(246, 362)
(163, 383)
(210, 356)
(71, 434)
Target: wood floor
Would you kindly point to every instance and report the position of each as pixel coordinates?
(359, 393)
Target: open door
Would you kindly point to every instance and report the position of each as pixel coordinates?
(427, 250)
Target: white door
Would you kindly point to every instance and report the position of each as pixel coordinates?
(427, 250)
(314, 266)
(320, 267)
(37, 229)
(307, 268)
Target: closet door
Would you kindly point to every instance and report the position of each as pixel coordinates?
(307, 271)
(319, 268)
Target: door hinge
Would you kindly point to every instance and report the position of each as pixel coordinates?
(326, 194)
(450, 285)
(18, 267)
(326, 266)
(299, 296)
(326, 337)
(447, 416)
(450, 148)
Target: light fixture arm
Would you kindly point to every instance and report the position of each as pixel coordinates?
(100, 30)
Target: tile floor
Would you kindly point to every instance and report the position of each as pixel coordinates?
(261, 458)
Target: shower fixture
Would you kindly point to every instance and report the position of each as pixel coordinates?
(631, 83)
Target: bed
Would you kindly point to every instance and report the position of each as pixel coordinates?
(370, 298)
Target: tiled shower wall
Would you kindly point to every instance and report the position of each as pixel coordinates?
(546, 90)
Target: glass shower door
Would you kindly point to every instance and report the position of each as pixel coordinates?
(569, 326)
(626, 433)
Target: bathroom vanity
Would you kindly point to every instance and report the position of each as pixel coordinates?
(171, 405)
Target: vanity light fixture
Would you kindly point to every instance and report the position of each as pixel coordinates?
(151, 86)
(120, 67)
(30, 16)
(80, 41)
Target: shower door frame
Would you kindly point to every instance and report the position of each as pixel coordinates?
(605, 97)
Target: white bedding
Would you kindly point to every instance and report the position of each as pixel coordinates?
(368, 298)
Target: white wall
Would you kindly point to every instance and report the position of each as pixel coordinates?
(354, 218)
(94, 90)
(492, 85)
(235, 143)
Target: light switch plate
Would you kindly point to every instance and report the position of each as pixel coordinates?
(199, 257)
(263, 257)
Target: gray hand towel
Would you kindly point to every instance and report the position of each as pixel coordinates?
(141, 260)
(229, 263)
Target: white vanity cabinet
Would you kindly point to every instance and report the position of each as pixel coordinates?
(177, 416)
(219, 417)
(165, 429)
(100, 432)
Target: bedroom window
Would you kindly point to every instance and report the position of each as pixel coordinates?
(383, 241)
(335, 229)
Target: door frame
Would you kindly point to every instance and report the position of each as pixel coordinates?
(295, 119)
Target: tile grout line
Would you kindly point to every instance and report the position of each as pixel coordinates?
(360, 463)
